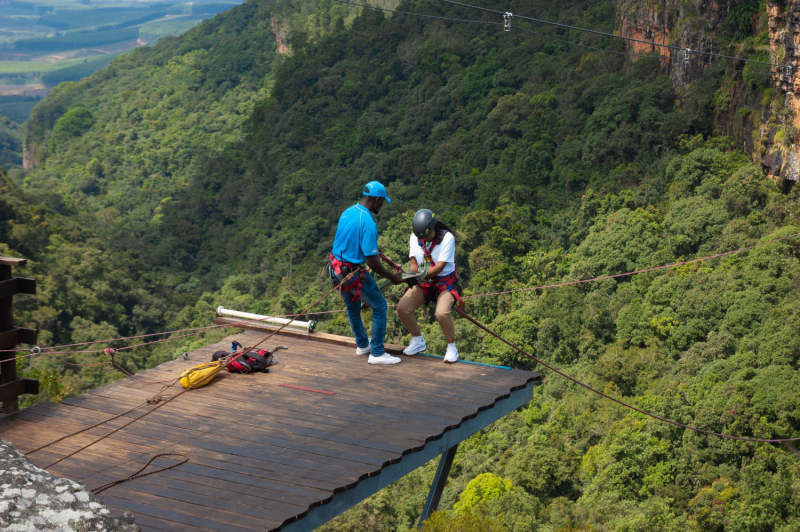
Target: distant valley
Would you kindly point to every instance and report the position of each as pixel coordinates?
(45, 43)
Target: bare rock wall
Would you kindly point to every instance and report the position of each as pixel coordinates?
(763, 121)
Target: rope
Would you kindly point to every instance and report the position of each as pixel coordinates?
(161, 402)
(139, 473)
(322, 312)
(473, 296)
(159, 405)
(312, 305)
(155, 398)
(635, 272)
(618, 401)
(110, 340)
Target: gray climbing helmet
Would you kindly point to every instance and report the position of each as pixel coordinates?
(424, 223)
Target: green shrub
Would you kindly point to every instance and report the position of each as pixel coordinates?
(77, 121)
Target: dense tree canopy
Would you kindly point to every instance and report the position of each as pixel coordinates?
(210, 169)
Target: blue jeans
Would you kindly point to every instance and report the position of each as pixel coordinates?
(371, 295)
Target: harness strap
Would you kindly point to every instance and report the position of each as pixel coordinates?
(356, 283)
(447, 282)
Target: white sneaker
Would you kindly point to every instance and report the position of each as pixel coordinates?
(385, 358)
(417, 345)
(452, 354)
(364, 350)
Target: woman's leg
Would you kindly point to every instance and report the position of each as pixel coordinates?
(444, 304)
(411, 301)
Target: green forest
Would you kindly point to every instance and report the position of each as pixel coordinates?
(211, 170)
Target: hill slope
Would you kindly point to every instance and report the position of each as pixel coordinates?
(10, 142)
(211, 170)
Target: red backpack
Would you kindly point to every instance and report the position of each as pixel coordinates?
(250, 362)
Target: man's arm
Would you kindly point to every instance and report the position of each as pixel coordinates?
(392, 264)
(377, 266)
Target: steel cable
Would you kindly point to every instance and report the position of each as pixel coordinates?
(606, 34)
(618, 401)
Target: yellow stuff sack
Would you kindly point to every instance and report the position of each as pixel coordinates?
(200, 375)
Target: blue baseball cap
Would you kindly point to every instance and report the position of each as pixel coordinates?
(376, 190)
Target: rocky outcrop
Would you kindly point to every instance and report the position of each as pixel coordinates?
(762, 119)
(28, 156)
(783, 157)
(280, 35)
(32, 500)
(687, 25)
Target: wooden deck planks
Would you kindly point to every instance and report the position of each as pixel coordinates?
(261, 455)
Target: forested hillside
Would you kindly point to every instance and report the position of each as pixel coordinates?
(10, 142)
(211, 169)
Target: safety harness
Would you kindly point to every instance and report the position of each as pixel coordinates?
(450, 282)
(342, 269)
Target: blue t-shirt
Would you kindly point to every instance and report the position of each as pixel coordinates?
(356, 236)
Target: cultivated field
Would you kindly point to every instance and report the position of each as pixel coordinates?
(44, 44)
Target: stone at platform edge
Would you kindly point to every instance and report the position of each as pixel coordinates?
(31, 499)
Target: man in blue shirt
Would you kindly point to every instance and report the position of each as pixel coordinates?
(355, 244)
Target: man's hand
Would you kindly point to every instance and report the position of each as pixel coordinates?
(376, 266)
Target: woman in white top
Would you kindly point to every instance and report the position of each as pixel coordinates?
(432, 243)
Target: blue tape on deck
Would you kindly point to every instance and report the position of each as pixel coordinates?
(467, 361)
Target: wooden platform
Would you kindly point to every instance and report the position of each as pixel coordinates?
(265, 456)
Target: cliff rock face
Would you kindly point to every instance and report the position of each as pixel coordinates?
(762, 116)
(676, 23)
(784, 36)
(280, 35)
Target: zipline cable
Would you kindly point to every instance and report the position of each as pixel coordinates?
(606, 34)
(534, 32)
(635, 272)
(420, 15)
(618, 401)
(631, 54)
(500, 23)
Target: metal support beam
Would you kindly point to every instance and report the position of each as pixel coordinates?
(437, 487)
